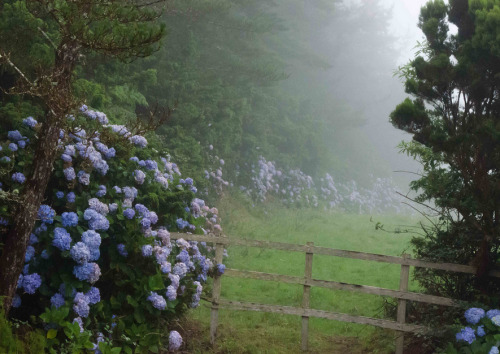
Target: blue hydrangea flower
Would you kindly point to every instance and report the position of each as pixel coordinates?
(166, 267)
(174, 341)
(80, 323)
(145, 223)
(496, 320)
(30, 253)
(93, 295)
(181, 223)
(139, 141)
(474, 315)
(101, 192)
(492, 313)
(80, 253)
(158, 301)
(467, 335)
(91, 238)
(66, 158)
(117, 189)
(141, 209)
(88, 271)
(147, 250)
(62, 239)
(480, 331)
(494, 350)
(44, 254)
(21, 144)
(183, 256)
(171, 293)
(14, 135)
(5, 159)
(221, 268)
(46, 214)
(30, 122)
(151, 165)
(180, 269)
(122, 251)
(130, 192)
(57, 300)
(139, 176)
(33, 239)
(129, 213)
(113, 207)
(31, 282)
(70, 197)
(69, 173)
(69, 219)
(81, 305)
(83, 178)
(3, 221)
(18, 177)
(16, 301)
(60, 195)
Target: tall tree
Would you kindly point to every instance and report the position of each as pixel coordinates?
(66, 31)
(455, 121)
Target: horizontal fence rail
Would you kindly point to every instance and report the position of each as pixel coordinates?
(402, 295)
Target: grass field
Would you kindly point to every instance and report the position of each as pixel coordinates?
(252, 332)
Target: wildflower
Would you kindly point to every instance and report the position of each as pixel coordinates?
(157, 300)
(46, 214)
(18, 177)
(174, 341)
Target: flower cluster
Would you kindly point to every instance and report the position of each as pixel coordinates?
(484, 327)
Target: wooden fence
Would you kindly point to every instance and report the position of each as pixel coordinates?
(307, 281)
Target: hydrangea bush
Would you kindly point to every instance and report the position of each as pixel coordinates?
(101, 269)
(482, 335)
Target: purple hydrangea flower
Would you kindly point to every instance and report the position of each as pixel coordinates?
(69, 219)
(46, 214)
(18, 177)
(57, 300)
(174, 341)
(31, 282)
(157, 300)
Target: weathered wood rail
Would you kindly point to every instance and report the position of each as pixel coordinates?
(402, 295)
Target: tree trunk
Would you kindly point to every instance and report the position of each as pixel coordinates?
(25, 212)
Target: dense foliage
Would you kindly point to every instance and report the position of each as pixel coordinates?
(454, 118)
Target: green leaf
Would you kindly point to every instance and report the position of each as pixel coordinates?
(51, 333)
(156, 282)
(132, 301)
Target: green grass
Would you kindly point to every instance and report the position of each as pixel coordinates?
(253, 332)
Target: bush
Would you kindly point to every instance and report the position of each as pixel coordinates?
(100, 270)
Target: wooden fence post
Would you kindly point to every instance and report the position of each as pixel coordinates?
(401, 316)
(305, 298)
(214, 312)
